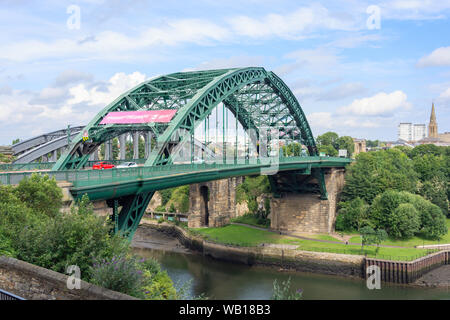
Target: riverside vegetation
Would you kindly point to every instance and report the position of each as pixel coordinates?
(33, 229)
(403, 191)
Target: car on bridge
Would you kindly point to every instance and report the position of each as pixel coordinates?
(127, 165)
(102, 165)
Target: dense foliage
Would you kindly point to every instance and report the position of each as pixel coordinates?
(402, 190)
(248, 192)
(330, 143)
(140, 278)
(33, 229)
(174, 199)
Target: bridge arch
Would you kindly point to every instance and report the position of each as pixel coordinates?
(255, 96)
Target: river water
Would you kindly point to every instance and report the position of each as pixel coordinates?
(232, 281)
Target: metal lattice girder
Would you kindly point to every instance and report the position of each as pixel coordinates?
(132, 209)
(32, 143)
(263, 100)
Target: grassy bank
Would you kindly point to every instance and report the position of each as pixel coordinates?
(412, 242)
(247, 237)
(252, 220)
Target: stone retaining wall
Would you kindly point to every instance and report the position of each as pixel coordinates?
(36, 283)
(320, 262)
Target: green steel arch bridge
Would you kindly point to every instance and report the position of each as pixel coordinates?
(257, 101)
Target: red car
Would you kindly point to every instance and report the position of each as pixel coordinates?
(102, 165)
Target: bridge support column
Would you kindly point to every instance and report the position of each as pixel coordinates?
(54, 156)
(108, 150)
(305, 212)
(148, 143)
(213, 203)
(122, 142)
(133, 207)
(136, 145)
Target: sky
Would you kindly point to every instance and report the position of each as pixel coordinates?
(358, 68)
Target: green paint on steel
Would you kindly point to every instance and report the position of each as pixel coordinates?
(256, 97)
(260, 96)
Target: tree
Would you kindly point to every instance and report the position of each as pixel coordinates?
(433, 176)
(15, 141)
(293, 149)
(329, 150)
(353, 215)
(250, 190)
(375, 172)
(372, 143)
(40, 193)
(425, 149)
(371, 236)
(404, 221)
(70, 239)
(328, 139)
(346, 143)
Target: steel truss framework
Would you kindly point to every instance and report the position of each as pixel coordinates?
(256, 97)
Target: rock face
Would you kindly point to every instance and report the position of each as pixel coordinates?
(306, 212)
(155, 202)
(213, 203)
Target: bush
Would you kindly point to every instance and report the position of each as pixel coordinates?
(375, 172)
(433, 222)
(40, 193)
(283, 291)
(352, 215)
(120, 274)
(250, 190)
(69, 239)
(430, 218)
(140, 278)
(404, 221)
(6, 248)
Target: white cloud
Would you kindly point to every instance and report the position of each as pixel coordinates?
(295, 25)
(231, 62)
(380, 104)
(117, 85)
(439, 57)
(116, 45)
(415, 9)
(54, 108)
(320, 120)
(445, 94)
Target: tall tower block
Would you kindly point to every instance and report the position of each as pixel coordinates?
(432, 126)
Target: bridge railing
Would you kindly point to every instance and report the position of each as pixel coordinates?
(8, 167)
(81, 178)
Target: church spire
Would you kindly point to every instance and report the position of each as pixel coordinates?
(433, 114)
(432, 127)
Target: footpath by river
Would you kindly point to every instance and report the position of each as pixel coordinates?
(225, 280)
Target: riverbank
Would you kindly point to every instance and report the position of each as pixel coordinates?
(438, 278)
(149, 238)
(283, 256)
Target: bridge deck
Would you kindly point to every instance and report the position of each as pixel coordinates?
(106, 184)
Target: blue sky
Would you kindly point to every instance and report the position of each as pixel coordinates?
(348, 77)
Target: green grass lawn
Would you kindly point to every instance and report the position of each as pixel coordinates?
(248, 237)
(326, 237)
(414, 241)
(252, 220)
